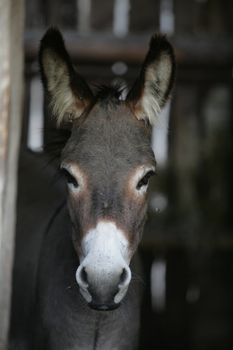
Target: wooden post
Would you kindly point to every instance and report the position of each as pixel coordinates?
(11, 87)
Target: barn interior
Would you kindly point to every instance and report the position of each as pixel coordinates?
(187, 247)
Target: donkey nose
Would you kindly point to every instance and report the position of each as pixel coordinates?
(103, 287)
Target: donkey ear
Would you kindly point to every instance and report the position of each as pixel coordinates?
(153, 86)
(69, 94)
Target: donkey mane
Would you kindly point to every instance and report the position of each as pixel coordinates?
(108, 93)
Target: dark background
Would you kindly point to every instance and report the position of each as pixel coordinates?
(188, 239)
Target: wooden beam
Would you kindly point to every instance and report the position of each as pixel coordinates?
(11, 84)
(100, 48)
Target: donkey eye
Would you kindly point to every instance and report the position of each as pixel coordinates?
(71, 181)
(145, 180)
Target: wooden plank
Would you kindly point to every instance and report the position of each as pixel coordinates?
(100, 48)
(59, 13)
(102, 20)
(4, 117)
(36, 14)
(144, 18)
(184, 23)
(11, 58)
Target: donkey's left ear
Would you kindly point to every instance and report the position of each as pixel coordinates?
(69, 95)
(153, 86)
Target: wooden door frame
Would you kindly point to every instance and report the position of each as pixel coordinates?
(11, 91)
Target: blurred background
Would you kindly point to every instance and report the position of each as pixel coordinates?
(187, 249)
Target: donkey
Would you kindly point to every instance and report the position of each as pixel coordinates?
(85, 297)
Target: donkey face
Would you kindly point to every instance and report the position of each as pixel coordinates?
(107, 161)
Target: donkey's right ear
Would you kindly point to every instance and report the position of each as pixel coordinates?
(69, 94)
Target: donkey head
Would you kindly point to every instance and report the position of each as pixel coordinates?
(107, 161)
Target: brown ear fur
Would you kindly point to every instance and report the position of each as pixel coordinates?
(69, 94)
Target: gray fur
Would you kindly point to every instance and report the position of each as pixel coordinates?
(105, 146)
(109, 142)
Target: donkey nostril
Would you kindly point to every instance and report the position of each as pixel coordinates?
(83, 275)
(123, 276)
(124, 281)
